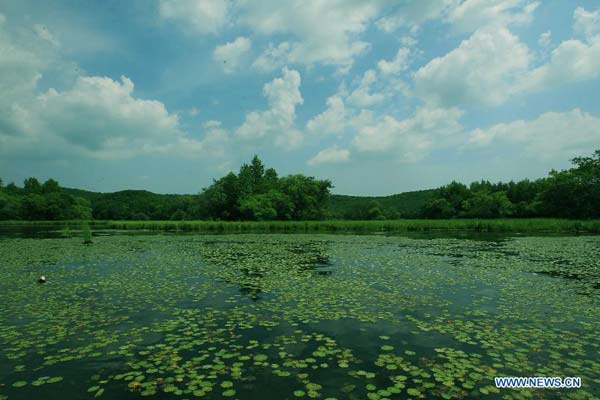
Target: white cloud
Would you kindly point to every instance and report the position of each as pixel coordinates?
(93, 116)
(230, 54)
(552, 135)
(44, 34)
(201, 16)
(215, 142)
(411, 14)
(212, 124)
(330, 121)
(277, 121)
(408, 41)
(587, 23)
(571, 61)
(471, 15)
(484, 69)
(273, 57)
(493, 65)
(322, 32)
(410, 139)
(362, 96)
(102, 117)
(545, 39)
(331, 155)
(398, 64)
(290, 139)
(463, 15)
(20, 67)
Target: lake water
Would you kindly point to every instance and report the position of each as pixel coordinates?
(296, 316)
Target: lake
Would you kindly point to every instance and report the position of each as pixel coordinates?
(265, 316)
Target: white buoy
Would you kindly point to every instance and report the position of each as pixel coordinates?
(42, 279)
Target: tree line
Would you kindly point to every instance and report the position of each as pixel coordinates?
(41, 201)
(571, 193)
(258, 193)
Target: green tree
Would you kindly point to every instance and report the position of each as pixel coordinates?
(178, 215)
(258, 207)
(259, 194)
(574, 193)
(81, 209)
(32, 186)
(308, 196)
(33, 207)
(50, 186)
(374, 210)
(488, 205)
(9, 207)
(11, 188)
(438, 209)
(455, 193)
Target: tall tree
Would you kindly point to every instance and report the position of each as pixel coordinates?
(32, 186)
(50, 186)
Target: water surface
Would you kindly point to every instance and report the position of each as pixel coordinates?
(296, 316)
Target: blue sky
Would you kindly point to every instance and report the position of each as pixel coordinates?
(380, 97)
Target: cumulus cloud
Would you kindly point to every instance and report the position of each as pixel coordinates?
(587, 23)
(553, 135)
(230, 54)
(283, 95)
(411, 14)
(45, 34)
(95, 116)
(409, 139)
(471, 15)
(203, 17)
(398, 64)
(463, 15)
(545, 39)
(215, 142)
(572, 60)
(321, 32)
(484, 68)
(273, 57)
(20, 67)
(493, 64)
(330, 121)
(99, 117)
(331, 155)
(362, 95)
(102, 116)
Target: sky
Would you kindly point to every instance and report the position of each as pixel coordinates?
(380, 97)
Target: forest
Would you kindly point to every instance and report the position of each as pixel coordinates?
(257, 193)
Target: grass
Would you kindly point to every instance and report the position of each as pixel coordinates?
(87, 233)
(531, 225)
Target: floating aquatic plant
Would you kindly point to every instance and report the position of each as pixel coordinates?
(228, 316)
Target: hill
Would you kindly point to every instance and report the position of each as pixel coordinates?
(137, 204)
(402, 205)
(142, 204)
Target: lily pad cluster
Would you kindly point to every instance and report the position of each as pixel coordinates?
(297, 316)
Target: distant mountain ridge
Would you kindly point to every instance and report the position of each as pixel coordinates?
(128, 203)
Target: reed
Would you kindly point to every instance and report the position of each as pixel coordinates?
(524, 225)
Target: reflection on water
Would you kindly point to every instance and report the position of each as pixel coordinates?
(295, 316)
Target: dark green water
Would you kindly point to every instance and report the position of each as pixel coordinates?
(296, 316)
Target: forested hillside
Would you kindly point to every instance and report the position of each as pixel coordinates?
(258, 193)
(403, 205)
